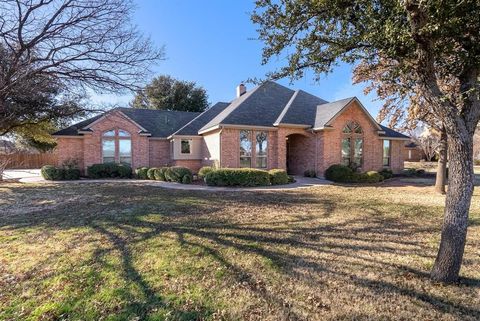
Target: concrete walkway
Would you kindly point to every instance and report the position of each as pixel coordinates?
(33, 176)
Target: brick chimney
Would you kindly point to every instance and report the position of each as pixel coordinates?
(241, 89)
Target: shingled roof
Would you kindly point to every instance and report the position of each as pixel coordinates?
(267, 105)
(259, 107)
(201, 120)
(158, 123)
(300, 110)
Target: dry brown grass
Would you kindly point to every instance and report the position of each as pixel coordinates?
(127, 252)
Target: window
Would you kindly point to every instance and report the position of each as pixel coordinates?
(261, 149)
(386, 152)
(409, 154)
(245, 148)
(352, 145)
(185, 146)
(116, 147)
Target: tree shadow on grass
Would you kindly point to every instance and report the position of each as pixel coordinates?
(192, 217)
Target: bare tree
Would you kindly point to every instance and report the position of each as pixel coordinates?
(428, 141)
(5, 160)
(62, 48)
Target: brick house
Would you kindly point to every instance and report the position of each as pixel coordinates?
(270, 126)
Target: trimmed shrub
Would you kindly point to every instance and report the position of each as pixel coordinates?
(187, 179)
(386, 173)
(109, 170)
(177, 174)
(278, 177)
(291, 179)
(420, 172)
(52, 173)
(310, 173)
(368, 177)
(71, 173)
(409, 172)
(141, 172)
(238, 177)
(159, 173)
(151, 173)
(204, 171)
(339, 173)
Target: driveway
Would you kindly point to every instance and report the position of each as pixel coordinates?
(30, 174)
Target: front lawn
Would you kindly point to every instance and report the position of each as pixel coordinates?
(133, 252)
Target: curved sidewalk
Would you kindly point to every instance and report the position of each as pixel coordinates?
(300, 182)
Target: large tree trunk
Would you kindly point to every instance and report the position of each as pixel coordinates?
(441, 179)
(457, 205)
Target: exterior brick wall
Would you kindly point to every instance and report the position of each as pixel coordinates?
(159, 153)
(193, 164)
(69, 148)
(301, 153)
(415, 153)
(397, 155)
(230, 148)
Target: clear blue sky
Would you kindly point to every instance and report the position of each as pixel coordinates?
(210, 42)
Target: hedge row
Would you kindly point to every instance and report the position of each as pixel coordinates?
(52, 173)
(244, 177)
(177, 174)
(109, 170)
(344, 174)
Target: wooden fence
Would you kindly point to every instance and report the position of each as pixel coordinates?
(26, 160)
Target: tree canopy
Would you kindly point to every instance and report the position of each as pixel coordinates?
(168, 93)
(430, 47)
(53, 52)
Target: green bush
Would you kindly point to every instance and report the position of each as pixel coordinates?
(71, 173)
(177, 174)
(52, 173)
(291, 179)
(159, 173)
(278, 177)
(368, 177)
(310, 173)
(420, 172)
(339, 173)
(109, 170)
(409, 172)
(238, 177)
(151, 173)
(386, 173)
(204, 171)
(187, 179)
(141, 172)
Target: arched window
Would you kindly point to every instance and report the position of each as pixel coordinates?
(352, 145)
(116, 146)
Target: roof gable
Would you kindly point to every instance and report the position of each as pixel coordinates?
(259, 107)
(158, 123)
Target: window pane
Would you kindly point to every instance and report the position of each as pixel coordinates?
(346, 151)
(261, 147)
(245, 162)
(185, 146)
(123, 133)
(245, 143)
(386, 153)
(261, 162)
(110, 133)
(126, 160)
(108, 151)
(357, 129)
(125, 147)
(347, 129)
(358, 151)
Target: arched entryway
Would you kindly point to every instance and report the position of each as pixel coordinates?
(300, 151)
